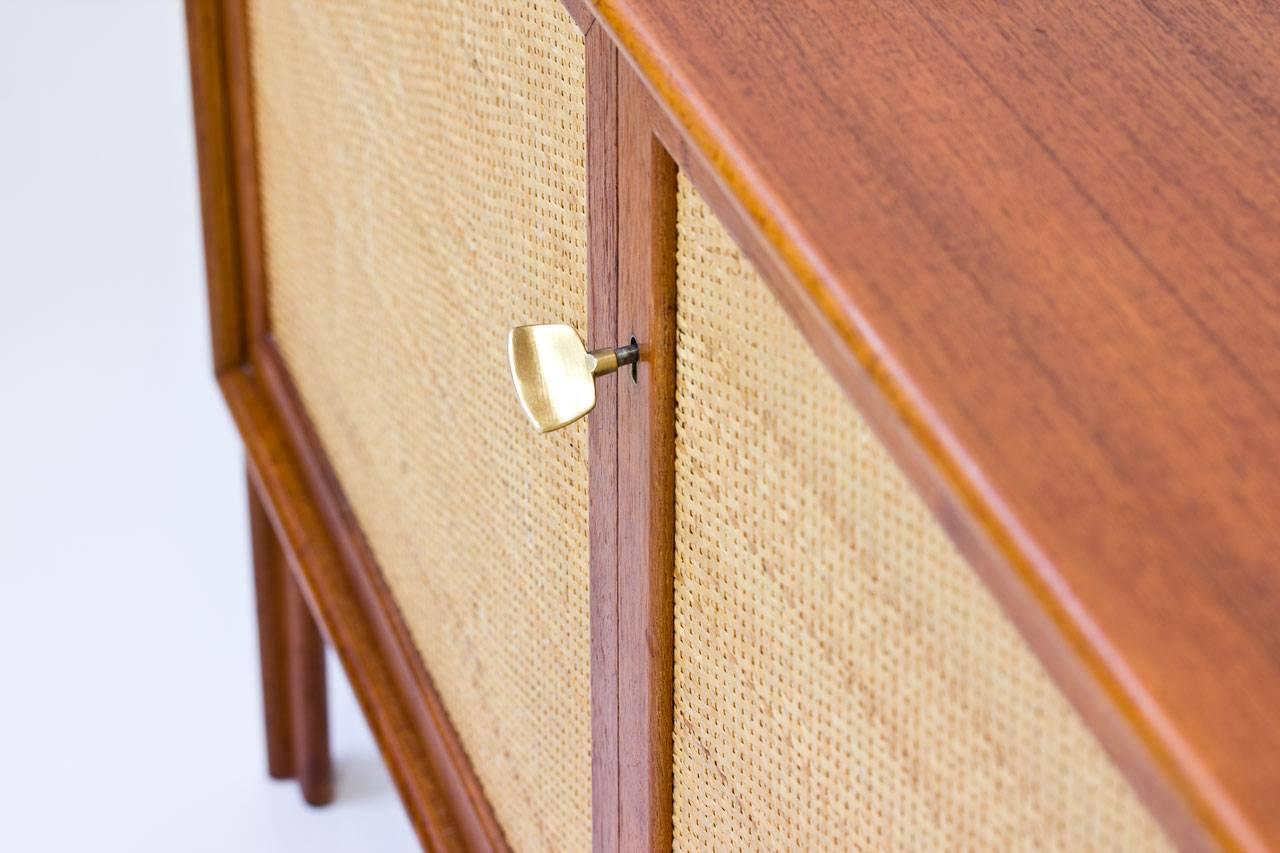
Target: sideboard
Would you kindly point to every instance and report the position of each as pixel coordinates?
(929, 495)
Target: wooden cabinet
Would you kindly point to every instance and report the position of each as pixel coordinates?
(891, 539)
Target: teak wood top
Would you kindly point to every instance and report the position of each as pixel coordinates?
(1049, 232)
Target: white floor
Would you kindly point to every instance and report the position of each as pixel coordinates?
(129, 703)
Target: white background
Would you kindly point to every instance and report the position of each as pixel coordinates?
(130, 713)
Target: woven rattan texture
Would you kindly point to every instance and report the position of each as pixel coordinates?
(424, 189)
(842, 679)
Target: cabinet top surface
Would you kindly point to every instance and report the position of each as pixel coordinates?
(1051, 233)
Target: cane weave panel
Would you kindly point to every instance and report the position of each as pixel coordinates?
(424, 188)
(842, 678)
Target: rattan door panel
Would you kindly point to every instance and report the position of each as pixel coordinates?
(841, 677)
(423, 189)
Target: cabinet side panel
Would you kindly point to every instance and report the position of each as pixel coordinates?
(841, 675)
(423, 183)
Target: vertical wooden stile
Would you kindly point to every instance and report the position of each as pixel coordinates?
(646, 463)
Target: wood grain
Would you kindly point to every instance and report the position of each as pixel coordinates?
(1048, 235)
(269, 581)
(308, 701)
(646, 471)
(295, 703)
(243, 139)
(216, 158)
(602, 433)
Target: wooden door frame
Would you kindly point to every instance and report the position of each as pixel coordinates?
(602, 434)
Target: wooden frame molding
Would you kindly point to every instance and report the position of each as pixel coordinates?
(646, 471)
(602, 433)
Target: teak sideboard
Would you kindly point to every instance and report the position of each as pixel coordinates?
(940, 505)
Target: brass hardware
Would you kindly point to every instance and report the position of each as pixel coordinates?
(555, 375)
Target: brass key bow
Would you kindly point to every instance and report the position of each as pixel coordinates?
(554, 374)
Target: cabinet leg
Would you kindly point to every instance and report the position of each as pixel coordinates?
(271, 580)
(295, 706)
(309, 707)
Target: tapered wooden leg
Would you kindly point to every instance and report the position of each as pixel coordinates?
(309, 707)
(295, 706)
(270, 580)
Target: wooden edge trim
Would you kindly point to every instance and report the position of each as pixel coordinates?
(602, 434)
(243, 136)
(646, 471)
(1064, 654)
(216, 157)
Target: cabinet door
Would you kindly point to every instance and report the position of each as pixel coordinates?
(840, 674)
(423, 186)
(806, 661)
